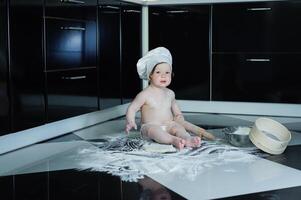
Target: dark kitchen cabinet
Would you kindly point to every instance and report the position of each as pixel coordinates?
(269, 78)
(71, 9)
(119, 50)
(32, 186)
(4, 94)
(131, 51)
(71, 93)
(70, 184)
(77, 185)
(6, 185)
(184, 30)
(26, 64)
(257, 27)
(70, 43)
(256, 52)
(109, 58)
(71, 58)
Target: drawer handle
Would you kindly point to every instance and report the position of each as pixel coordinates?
(72, 28)
(111, 7)
(177, 11)
(73, 1)
(132, 11)
(259, 9)
(258, 60)
(73, 77)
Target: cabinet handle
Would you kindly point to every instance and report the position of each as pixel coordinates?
(177, 11)
(73, 77)
(259, 9)
(111, 7)
(73, 1)
(132, 11)
(72, 28)
(258, 60)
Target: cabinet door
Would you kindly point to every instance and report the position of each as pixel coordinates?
(31, 186)
(4, 97)
(257, 78)
(257, 27)
(71, 93)
(75, 9)
(131, 48)
(7, 187)
(184, 31)
(70, 43)
(109, 55)
(83, 185)
(26, 64)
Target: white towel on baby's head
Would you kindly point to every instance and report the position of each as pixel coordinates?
(146, 64)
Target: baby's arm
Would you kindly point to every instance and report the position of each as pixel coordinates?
(136, 104)
(179, 118)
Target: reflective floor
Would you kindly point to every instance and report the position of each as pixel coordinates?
(49, 170)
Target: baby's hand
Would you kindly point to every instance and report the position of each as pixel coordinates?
(129, 126)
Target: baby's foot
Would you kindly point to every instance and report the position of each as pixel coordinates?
(193, 141)
(179, 143)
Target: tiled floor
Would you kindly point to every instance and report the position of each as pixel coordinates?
(49, 165)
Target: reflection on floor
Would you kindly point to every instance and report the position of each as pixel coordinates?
(45, 170)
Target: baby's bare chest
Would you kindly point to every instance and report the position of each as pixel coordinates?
(162, 102)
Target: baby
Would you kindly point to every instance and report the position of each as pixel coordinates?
(161, 118)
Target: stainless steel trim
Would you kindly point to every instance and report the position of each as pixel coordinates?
(145, 36)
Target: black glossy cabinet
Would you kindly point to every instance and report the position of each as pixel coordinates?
(61, 185)
(257, 27)
(7, 187)
(269, 78)
(119, 50)
(71, 184)
(184, 30)
(4, 96)
(71, 93)
(256, 52)
(31, 186)
(131, 51)
(71, 34)
(109, 58)
(26, 64)
(71, 58)
(70, 43)
(71, 9)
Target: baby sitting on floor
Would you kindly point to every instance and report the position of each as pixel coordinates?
(161, 118)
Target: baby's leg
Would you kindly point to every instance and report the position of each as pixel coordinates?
(179, 131)
(156, 133)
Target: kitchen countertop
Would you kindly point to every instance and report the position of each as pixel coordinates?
(51, 167)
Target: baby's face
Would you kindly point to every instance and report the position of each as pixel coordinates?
(161, 77)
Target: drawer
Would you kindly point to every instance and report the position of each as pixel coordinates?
(271, 78)
(71, 93)
(257, 27)
(70, 44)
(78, 9)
